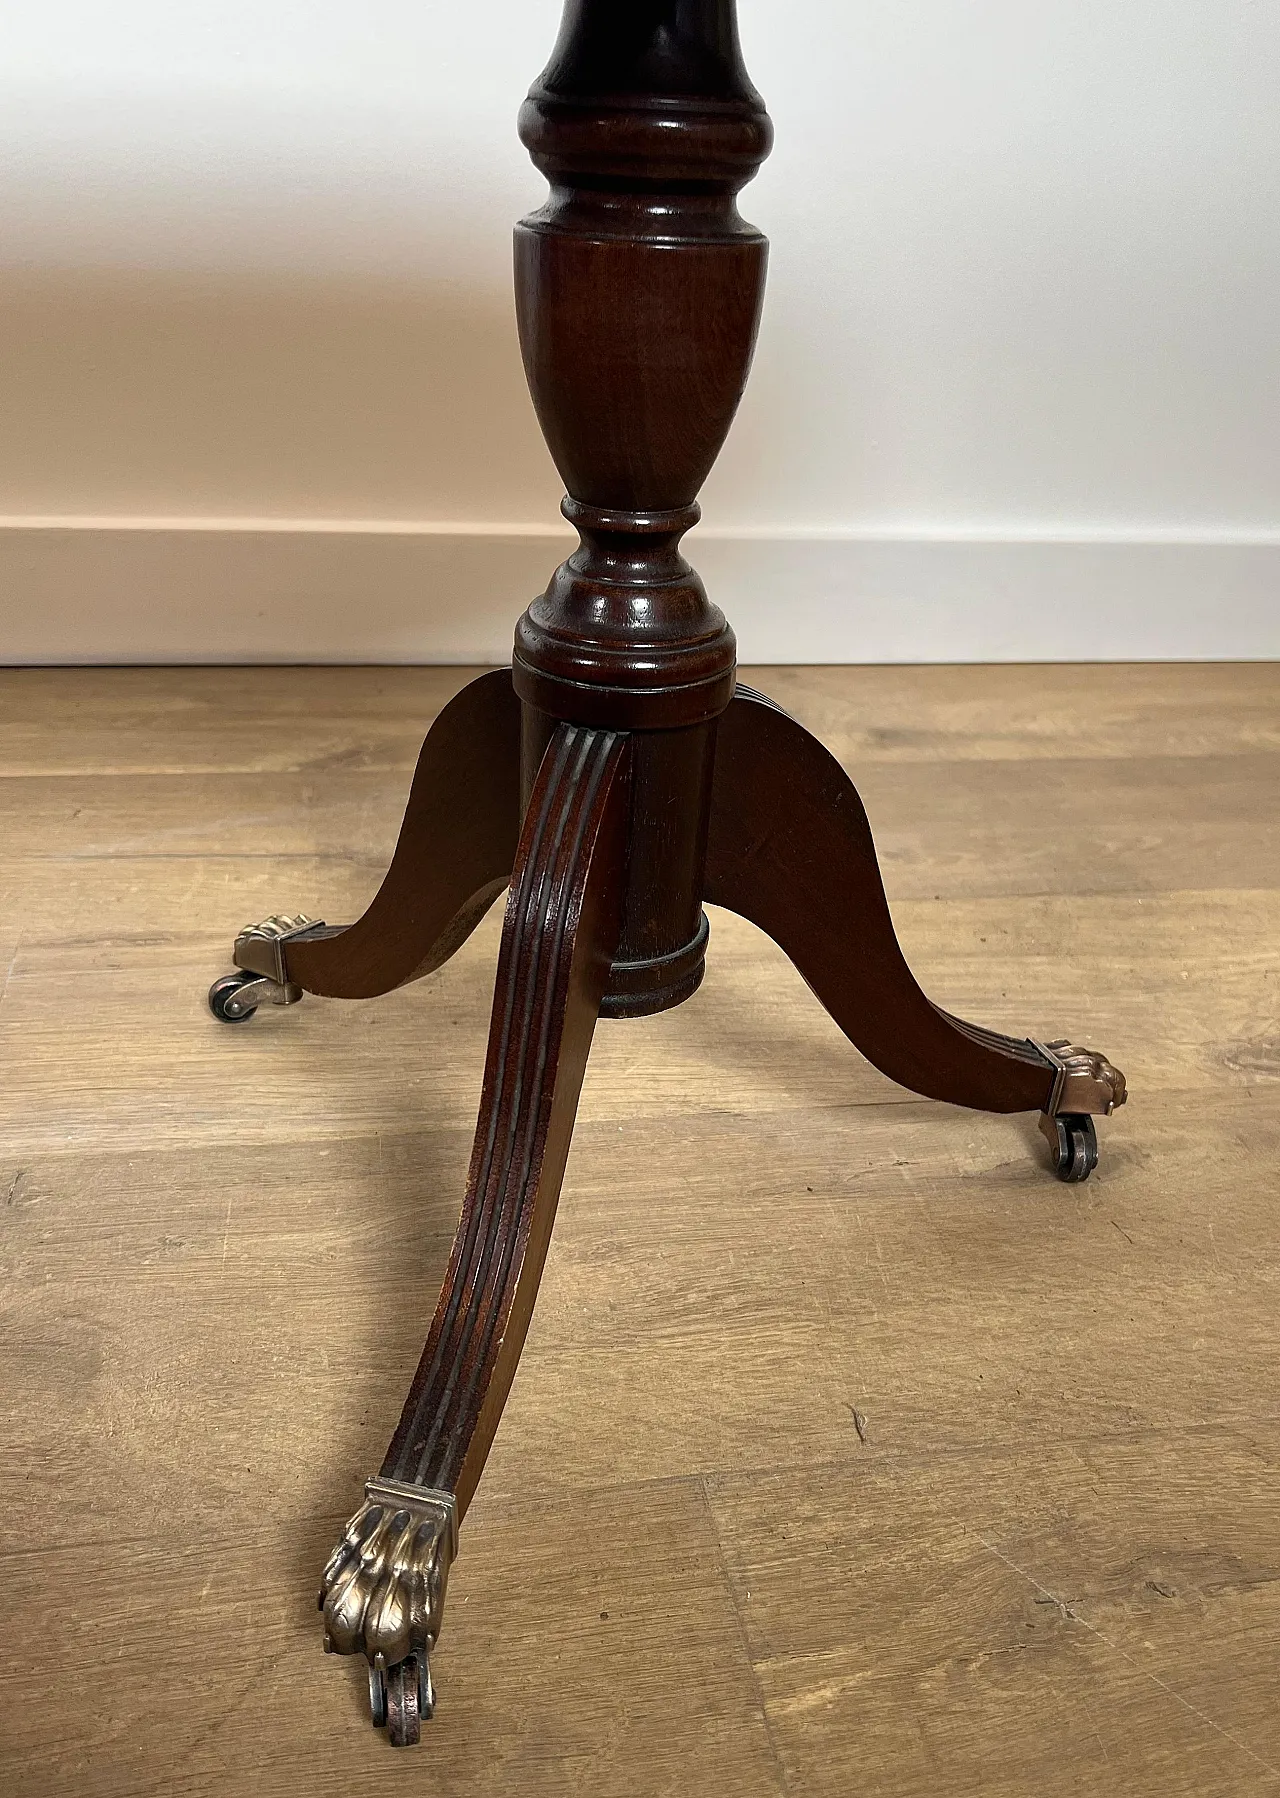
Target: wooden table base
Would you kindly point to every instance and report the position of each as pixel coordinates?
(615, 778)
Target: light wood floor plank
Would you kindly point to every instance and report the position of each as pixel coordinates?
(1096, 1616)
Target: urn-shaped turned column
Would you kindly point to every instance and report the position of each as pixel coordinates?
(638, 291)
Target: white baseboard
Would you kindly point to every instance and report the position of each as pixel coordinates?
(109, 590)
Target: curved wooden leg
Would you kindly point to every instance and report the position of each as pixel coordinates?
(791, 849)
(454, 855)
(383, 1590)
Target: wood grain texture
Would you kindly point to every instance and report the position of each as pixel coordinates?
(638, 294)
(562, 924)
(453, 856)
(1044, 1556)
(790, 849)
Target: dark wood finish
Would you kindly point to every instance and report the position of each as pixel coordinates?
(454, 855)
(662, 953)
(645, 785)
(791, 849)
(562, 925)
(638, 293)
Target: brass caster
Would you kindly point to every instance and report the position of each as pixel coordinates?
(235, 998)
(382, 1594)
(1086, 1085)
(261, 977)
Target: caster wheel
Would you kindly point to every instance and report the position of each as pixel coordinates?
(222, 998)
(1073, 1146)
(404, 1726)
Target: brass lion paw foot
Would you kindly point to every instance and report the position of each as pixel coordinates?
(1086, 1086)
(382, 1594)
(259, 955)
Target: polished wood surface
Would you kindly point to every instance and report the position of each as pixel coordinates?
(563, 922)
(638, 294)
(454, 854)
(847, 1451)
(791, 849)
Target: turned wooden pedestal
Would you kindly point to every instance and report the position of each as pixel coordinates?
(615, 778)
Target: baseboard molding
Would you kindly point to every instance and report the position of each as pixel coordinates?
(242, 590)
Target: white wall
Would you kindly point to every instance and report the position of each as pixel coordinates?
(1016, 395)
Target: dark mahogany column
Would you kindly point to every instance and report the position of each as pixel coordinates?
(638, 289)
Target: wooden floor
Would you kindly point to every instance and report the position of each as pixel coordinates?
(850, 1454)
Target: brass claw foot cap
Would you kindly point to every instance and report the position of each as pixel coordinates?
(1086, 1084)
(382, 1594)
(260, 948)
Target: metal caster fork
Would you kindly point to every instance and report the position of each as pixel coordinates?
(1073, 1144)
(1086, 1086)
(235, 998)
(402, 1699)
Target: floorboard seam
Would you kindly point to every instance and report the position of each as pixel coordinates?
(743, 1637)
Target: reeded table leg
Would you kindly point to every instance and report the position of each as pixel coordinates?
(790, 848)
(383, 1590)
